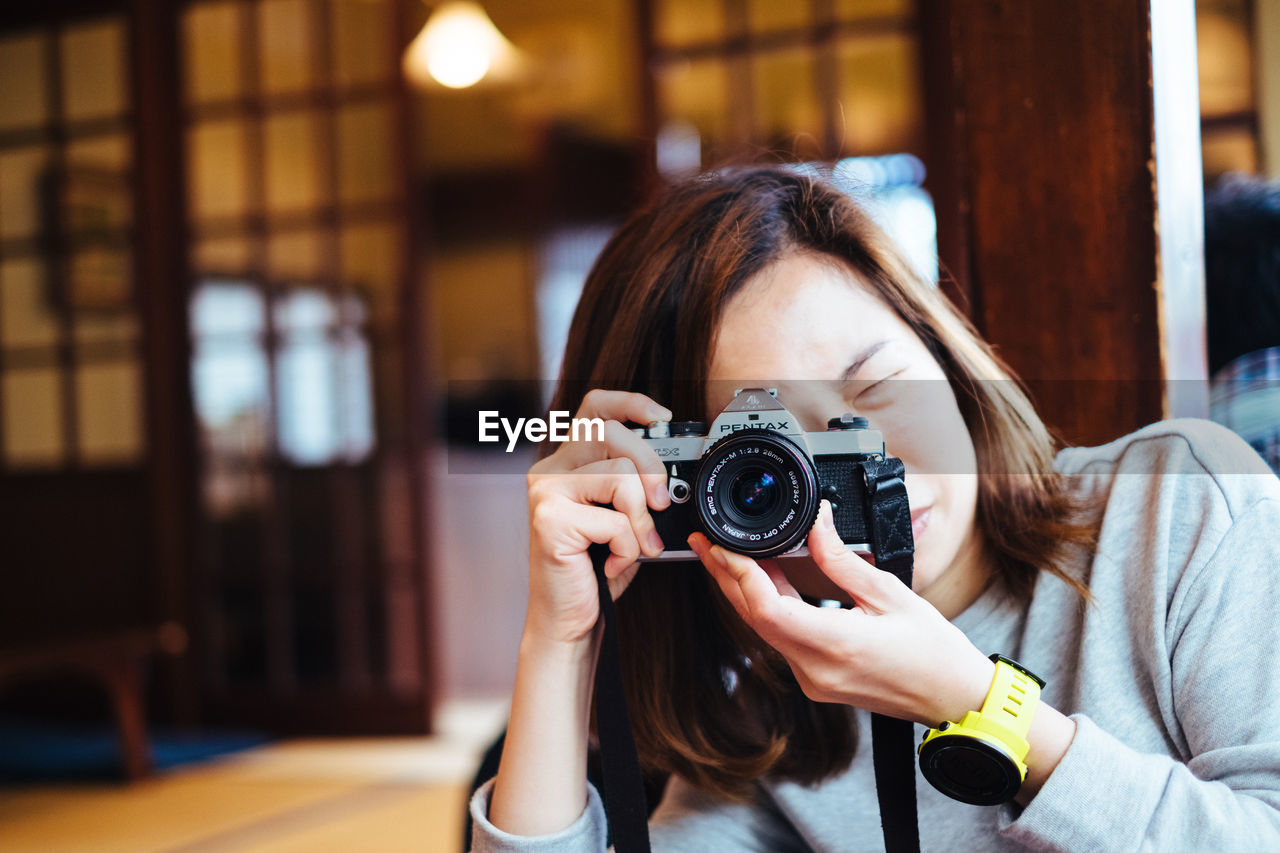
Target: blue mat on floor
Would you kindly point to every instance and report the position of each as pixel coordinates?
(35, 751)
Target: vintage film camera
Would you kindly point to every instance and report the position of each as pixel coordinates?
(753, 482)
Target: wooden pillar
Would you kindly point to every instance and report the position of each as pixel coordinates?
(1064, 144)
(163, 289)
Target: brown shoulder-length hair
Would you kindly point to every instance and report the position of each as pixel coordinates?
(708, 699)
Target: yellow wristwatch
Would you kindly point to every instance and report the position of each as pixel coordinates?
(980, 760)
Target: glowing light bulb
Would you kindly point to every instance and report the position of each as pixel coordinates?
(458, 46)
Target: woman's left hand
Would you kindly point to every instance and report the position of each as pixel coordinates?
(892, 653)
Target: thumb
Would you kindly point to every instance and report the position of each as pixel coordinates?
(870, 586)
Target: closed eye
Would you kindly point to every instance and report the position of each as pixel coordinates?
(879, 386)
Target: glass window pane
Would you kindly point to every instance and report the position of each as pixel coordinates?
(229, 369)
(21, 171)
(294, 255)
(770, 15)
(216, 170)
(695, 93)
(284, 39)
(229, 385)
(325, 405)
(221, 255)
(363, 37)
(787, 111)
(880, 95)
(118, 328)
(306, 310)
(27, 317)
(93, 70)
(366, 134)
(306, 376)
(682, 22)
(24, 96)
(292, 168)
(211, 42)
(32, 405)
(228, 309)
(94, 205)
(109, 410)
(100, 278)
(112, 152)
(372, 256)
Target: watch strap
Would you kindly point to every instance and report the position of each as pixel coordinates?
(1011, 703)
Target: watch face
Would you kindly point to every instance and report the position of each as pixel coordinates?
(970, 770)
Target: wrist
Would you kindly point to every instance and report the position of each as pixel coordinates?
(574, 652)
(965, 692)
(1051, 735)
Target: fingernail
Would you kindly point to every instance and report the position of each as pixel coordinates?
(717, 554)
(825, 514)
(664, 497)
(659, 413)
(655, 541)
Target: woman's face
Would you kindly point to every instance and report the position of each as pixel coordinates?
(807, 326)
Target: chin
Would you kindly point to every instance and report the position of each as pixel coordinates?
(925, 575)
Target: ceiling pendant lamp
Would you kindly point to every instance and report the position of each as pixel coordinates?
(458, 47)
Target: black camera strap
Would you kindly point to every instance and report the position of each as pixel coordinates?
(893, 749)
(892, 740)
(624, 798)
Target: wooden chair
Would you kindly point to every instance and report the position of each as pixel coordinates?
(117, 661)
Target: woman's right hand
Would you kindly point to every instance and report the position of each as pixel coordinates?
(592, 491)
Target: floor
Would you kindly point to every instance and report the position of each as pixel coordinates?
(352, 794)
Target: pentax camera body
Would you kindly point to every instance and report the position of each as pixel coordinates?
(754, 481)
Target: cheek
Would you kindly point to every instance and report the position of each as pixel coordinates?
(925, 430)
(954, 501)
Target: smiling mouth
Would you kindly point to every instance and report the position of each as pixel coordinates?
(920, 521)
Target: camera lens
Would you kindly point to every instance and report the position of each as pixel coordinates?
(754, 492)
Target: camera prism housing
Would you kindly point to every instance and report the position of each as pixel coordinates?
(753, 482)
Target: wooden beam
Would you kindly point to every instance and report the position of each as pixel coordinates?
(1052, 201)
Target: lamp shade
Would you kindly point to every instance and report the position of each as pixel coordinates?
(458, 47)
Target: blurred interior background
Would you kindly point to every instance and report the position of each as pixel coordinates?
(246, 246)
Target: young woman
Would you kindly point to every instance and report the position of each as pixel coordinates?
(1139, 580)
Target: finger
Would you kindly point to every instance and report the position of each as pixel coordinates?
(873, 588)
(775, 573)
(622, 406)
(619, 443)
(819, 629)
(590, 524)
(613, 482)
(789, 624)
(702, 547)
(772, 616)
(619, 582)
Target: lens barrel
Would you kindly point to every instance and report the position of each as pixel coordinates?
(756, 493)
